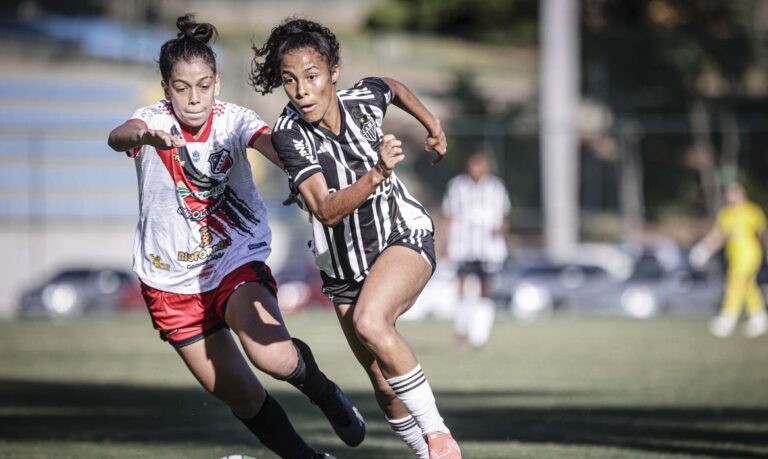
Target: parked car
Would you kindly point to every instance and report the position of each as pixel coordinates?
(535, 288)
(79, 291)
(653, 289)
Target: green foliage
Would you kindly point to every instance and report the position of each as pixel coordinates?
(495, 21)
(650, 61)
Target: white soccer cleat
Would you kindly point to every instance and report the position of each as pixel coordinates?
(722, 326)
(756, 326)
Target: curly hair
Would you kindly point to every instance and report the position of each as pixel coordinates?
(292, 34)
(190, 43)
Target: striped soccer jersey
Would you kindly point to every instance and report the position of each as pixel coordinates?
(476, 210)
(200, 214)
(347, 250)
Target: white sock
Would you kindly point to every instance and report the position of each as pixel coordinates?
(461, 317)
(409, 431)
(481, 322)
(413, 390)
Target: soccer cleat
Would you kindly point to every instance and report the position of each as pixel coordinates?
(756, 326)
(722, 326)
(442, 446)
(343, 416)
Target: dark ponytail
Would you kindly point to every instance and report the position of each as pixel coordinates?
(190, 43)
(291, 35)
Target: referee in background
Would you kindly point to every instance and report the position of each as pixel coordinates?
(476, 209)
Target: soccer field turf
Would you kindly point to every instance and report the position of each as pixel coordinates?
(101, 388)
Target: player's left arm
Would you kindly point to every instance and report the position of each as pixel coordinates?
(403, 98)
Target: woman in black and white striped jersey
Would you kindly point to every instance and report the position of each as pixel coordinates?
(373, 241)
(476, 208)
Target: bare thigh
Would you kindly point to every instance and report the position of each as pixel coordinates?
(220, 368)
(393, 285)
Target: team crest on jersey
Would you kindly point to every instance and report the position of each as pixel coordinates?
(221, 162)
(368, 128)
(195, 156)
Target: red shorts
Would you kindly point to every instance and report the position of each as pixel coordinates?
(183, 319)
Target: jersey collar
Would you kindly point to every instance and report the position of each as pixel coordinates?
(189, 137)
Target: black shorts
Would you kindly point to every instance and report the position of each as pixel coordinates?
(482, 269)
(346, 291)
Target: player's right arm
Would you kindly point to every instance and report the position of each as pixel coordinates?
(302, 165)
(135, 133)
(331, 208)
(708, 245)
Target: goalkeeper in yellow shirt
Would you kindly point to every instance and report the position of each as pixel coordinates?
(740, 226)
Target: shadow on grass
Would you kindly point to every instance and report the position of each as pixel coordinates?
(50, 411)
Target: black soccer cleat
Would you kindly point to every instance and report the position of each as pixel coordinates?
(343, 415)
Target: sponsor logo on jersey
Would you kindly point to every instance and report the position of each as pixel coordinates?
(199, 214)
(204, 253)
(301, 148)
(257, 245)
(158, 263)
(214, 192)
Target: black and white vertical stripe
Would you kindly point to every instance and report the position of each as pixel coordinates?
(347, 250)
(476, 210)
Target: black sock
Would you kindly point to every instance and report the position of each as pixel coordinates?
(307, 377)
(275, 431)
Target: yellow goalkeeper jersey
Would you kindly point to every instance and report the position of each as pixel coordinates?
(742, 225)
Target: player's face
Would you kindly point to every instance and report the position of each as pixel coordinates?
(734, 194)
(477, 167)
(309, 83)
(192, 89)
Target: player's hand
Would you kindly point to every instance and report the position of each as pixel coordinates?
(699, 255)
(290, 200)
(161, 140)
(436, 142)
(390, 153)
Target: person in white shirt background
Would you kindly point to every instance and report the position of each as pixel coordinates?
(475, 211)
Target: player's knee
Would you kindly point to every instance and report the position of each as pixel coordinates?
(367, 326)
(278, 361)
(371, 328)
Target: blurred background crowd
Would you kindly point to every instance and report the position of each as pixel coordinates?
(614, 155)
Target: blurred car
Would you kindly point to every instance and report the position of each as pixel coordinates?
(80, 291)
(535, 288)
(655, 287)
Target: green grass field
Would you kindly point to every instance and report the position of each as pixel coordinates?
(101, 388)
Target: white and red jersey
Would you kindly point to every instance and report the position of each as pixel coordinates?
(201, 215)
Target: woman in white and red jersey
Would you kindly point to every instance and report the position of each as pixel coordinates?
(201, 243)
